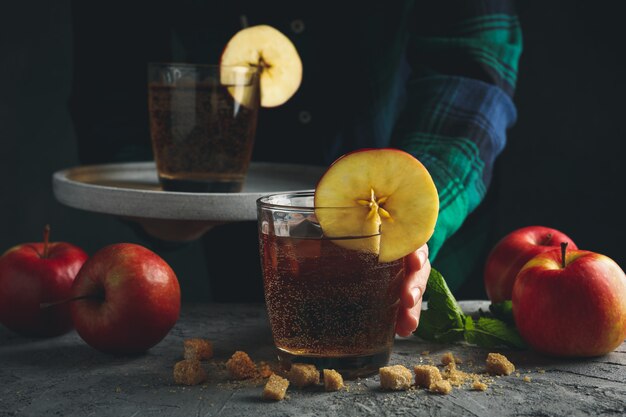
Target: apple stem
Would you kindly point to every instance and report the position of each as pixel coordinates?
(67, 300)
(563, 252)
(46, 240)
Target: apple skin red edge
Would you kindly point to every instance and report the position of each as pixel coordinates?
(576, 311)
(135, 299)
(28, 279)
(510, 254)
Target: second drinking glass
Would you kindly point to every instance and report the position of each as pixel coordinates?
(202, 121)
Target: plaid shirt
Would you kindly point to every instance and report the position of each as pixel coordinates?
(434, 78)
(465, 57)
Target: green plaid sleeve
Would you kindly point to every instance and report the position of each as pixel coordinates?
(464, 58)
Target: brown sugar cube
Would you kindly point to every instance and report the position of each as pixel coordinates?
(395, 378)
(333, 381)
(453, 375)
(302, 375)
(189, 372)
(199, 349)
(447, 358)
(479, 386)
(498, 364)
(441, 387)
(275, 388)
(264, 369)
(241, 366)
(426, 375)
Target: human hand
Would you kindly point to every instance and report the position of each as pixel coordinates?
(174, 230)
(416, 272)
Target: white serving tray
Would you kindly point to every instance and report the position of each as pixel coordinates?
(133, 190)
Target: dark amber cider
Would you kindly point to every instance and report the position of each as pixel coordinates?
(325, 301)
(202, 138)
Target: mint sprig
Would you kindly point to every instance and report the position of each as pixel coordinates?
(503, 311)
(445, 322)
(489, 332)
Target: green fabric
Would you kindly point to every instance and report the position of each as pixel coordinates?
(459, 103)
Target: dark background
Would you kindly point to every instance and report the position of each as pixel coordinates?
(562, 166)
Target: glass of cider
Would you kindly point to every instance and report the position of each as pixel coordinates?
(203, 121)
(328, 305)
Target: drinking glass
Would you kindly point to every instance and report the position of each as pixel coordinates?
(202, 122)
(327, 305)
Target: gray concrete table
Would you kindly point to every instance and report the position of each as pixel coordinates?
(65, 377)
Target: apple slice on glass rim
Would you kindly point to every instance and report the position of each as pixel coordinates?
(274, 54)
(384, 193)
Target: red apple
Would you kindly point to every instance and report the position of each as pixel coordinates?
(127, 299)
(511, 253)
(571, 304)
(33, 274)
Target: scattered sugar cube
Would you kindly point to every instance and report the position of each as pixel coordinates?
(189, 372)
(333, 381)
(199, 349)
(498, 364)
(395, 378)
(454, 376)
(275, 388)
(302, 375)
(441, 387)
(447, 358)
(241, 366)
(479, 386)
(264, 369)
(426, 375)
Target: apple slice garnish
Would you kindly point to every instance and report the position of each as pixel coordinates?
(267, 48)
(383, 193)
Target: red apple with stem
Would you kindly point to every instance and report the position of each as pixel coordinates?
(33, 278)
(511, 253)
(571, 303)
(125, 299)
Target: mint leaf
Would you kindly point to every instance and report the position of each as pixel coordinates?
(503, 311)
(440, 299)
(437, 328)
(443, 321)
(488, 332)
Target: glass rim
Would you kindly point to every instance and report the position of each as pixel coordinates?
(200, 66)
(263, 202)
